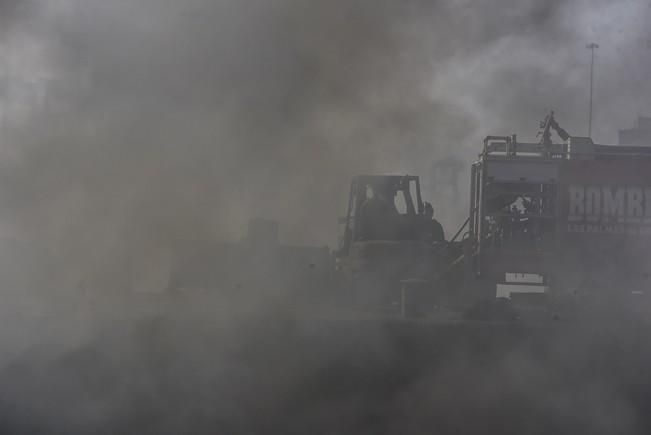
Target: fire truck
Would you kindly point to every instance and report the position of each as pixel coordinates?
(571, 218)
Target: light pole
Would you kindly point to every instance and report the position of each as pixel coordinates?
(592, 46)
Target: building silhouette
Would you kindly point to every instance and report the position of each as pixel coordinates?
(639, 135)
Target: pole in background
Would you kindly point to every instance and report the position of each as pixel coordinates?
(592, 46)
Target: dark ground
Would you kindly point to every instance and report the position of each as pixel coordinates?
(273, 373)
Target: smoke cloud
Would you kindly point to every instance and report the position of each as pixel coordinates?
(199, 115)
(127, 125)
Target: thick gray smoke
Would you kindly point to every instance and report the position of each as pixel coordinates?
(126, 125)
(185, 119)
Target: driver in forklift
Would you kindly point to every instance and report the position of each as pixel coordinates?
(435, 229)
(379, 215)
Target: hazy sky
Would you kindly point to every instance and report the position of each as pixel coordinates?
(182, 119)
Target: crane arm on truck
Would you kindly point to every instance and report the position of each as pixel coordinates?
(547, 125)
